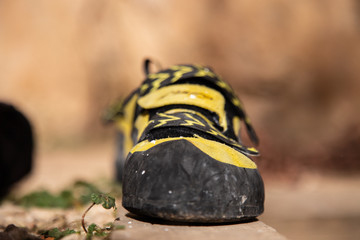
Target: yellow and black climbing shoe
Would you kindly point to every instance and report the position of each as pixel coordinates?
(180, 156)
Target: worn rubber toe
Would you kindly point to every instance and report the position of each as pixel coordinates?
(176, 181)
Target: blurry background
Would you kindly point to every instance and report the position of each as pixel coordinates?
(294, 64)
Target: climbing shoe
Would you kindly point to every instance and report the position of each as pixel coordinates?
(180, 157)
(16, 147)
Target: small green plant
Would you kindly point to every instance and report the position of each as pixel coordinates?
(95, 230)
(77, 195)
(56, 233)
(45, 199)
(107, 202)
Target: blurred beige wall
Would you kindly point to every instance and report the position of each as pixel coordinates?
(295, 65)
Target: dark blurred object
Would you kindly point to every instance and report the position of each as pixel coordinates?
(13, 232)
(16, 147)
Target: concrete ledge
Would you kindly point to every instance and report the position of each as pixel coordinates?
(136, 228)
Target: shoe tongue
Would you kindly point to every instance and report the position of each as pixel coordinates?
(200, 75)
(180, 122)
(193, 74)
(177, 74)
(187, 94)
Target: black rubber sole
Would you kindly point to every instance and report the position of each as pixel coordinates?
(176, 181)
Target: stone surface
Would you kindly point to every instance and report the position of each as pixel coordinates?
(137, 228)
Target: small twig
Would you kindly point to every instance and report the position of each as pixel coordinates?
(83, 217)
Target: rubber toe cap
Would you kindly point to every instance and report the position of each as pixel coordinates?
(177, 181)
